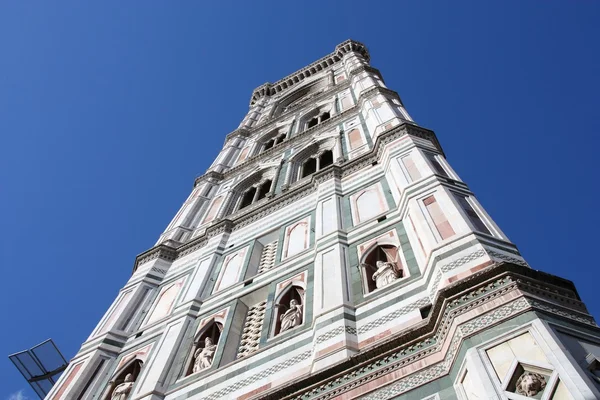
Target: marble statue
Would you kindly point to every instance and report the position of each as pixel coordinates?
(204, 356)
(529, 384)
(292, 317)
(122, 391)
(386, 273)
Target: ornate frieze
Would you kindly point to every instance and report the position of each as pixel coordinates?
(408, 347)
(270, 89)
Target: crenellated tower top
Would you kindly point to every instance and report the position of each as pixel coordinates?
(270, 89)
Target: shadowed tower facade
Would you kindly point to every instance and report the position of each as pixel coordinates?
(331, 252)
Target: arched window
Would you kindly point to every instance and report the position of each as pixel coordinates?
(316, 163)
(263, 190)
(316, 118)
(288, 310)
(309, 167)
(248, 197)
(381, 266)
(271, 139)
(124, 380)
(325, 159)
(255, 193)
(279, 139)
(204, 349)
(269, 144)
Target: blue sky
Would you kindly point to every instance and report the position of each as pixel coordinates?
(108, 112)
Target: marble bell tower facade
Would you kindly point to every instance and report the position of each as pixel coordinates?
(331, 252)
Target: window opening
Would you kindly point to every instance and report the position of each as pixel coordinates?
(247, 197)
(264, 189)
(269, 144)
(326, 159)
(309, 167)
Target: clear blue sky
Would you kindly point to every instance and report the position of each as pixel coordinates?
(108, 112)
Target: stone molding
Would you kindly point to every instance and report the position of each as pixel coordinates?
(271, 89)
(409, 346)
(431, 336)
(294, 192)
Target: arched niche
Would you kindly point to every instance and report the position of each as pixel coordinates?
(118, 388)
(380, 266)
(286, 314)
(202, 358)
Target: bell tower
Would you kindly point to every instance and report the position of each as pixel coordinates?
(331, 252)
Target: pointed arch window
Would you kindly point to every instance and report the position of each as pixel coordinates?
(317, 119)
(248, 197)
(325, 159)
(309, 167)
(316, 163)
(206, 343)
(289, 310)
(255, 193)
(381, 266)
(272, 139)
(264, 189)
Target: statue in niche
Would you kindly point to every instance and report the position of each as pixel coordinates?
(530, 383)
(203, 357)
(122, 391)
(292, 317)
(386, 273)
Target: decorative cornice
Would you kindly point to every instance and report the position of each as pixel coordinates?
(367, 68)
(270, 89)
(161, 251)
(407, 347)
(211, 176)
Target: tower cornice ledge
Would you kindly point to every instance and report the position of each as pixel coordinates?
(211, 176)
(270, 89)
(296, 191)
